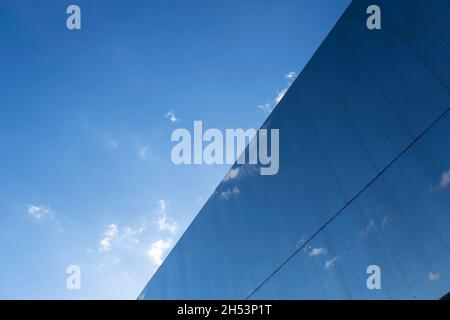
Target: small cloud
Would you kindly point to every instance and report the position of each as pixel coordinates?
(266, 108)
(291, 75)
(280, 95)
(44, 214)
(445, 180)
(39, 212)
(316, 252)
(158, 249)
(434, 276)
(164, 222)
(227, 194)
(199, 199)
(109, 235)
(143, 152)
(331, 262)
(233, 173)
(240, 171)
(130, 235)
(368, 229)
(171, 116)
(112, 143)
(123, 237)
(162, 205)
(168, 224)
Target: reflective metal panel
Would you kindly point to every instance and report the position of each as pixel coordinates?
(364, 97)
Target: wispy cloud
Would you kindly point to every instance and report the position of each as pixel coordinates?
(143, 152)
(39, 212)
(445, 180)
(243, 170)
(127, 256)
(233, 173)
(316, 252)
(44, 214)
(131, 235)
(124, 237)
(331, 262)
(434, 276)
(168, 224)
(109, 235)
(280, 95)
(291, 75)
(266, 108)
(225, 195)
(164, 222)
(163, 205)
(171, 116)
(158, 249)
(371, 226)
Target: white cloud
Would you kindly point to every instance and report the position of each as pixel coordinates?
(445, 180)
(162, 204)
(330, 263)
(227, 194)
(44, 214)
(123, 237)
(316, 252)
(267, 108)
(291, 75)
(199, 199)
(233, 173)
(171, 116)
(158, 249)
(39, 212)
(240, 171)
(367, 229)
(109, 235)
(280, 95)
(130, 235)
(168, 224)
(434, 276)
(132, 255)
(164, 222)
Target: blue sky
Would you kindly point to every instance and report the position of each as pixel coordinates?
(86, 175)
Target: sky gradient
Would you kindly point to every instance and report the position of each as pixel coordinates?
(86, 118)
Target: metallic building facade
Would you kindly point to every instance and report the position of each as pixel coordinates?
(364, 176)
